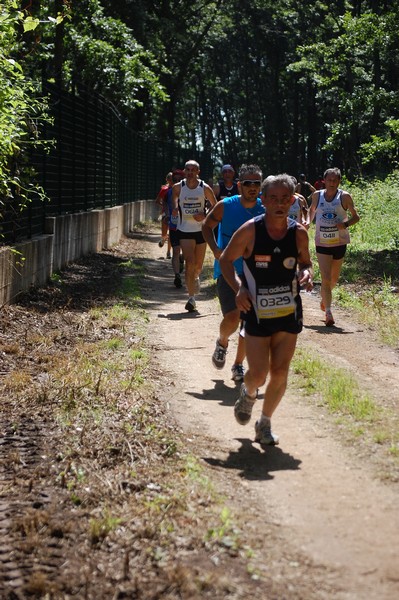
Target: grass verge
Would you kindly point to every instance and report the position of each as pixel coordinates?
(362, 418)
(132, 511)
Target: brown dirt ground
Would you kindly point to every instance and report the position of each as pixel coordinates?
(315, 517)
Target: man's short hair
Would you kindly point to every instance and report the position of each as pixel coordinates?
(192, 162)
(281, 179)
(246, 170)
(332, 171)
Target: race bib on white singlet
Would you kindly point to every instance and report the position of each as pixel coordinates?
(274, 302)
(329, 235)
(192, 207)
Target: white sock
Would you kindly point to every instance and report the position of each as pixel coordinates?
(249, 395)
(265, 420)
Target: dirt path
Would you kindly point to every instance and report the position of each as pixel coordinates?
(325, 496)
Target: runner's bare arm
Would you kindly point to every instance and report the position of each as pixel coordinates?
(158, 199)
(175, 197)
(212, 219)
(216, 190)
(241, 244)
(305, 270)
(347, 203)
(313, 206)
(304, 212)
(209, 194)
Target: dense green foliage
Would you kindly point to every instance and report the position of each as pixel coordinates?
(294, 86)
(20, 112)
(66, 44)
(377, 202)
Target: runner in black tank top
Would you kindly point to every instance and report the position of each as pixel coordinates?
(273, 247)
(270, 276)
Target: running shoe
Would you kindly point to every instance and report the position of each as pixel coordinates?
(161, 243)
(237, 373)
(191, 305)
(243, 406)
(177, 281)
(329, 318)
(168, 255)
(264, 435)
(219, 356)
(197, 285)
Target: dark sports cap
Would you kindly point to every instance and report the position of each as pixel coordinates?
(228, 168)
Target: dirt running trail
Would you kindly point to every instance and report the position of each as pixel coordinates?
(325, 496)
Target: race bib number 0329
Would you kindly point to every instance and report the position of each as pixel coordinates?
(273, 303)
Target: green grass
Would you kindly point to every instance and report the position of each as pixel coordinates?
(354, 409)
(113, 343)
(377, 202)
(344, 396)
(376, 306)
(336, 389)
(99, 528)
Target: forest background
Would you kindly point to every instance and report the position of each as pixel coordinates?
(294, 86)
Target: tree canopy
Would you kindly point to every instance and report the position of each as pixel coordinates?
(295, 86)
(292, 85)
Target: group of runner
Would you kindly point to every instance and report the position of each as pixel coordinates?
(262, 260)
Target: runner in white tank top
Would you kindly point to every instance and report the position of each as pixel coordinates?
(330, 207)
(191, 202)
(299, 211)
(188, 202)
(328, 214)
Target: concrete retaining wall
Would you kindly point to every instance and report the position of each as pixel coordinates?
(67, 238)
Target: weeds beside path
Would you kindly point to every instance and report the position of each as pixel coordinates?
(108, 493)
(99, 495)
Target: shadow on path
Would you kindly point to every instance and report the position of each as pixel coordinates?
(184, 315)
(226, 396)
(253, 463)
(323, 330)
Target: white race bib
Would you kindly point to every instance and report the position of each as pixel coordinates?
(329, 235)
(274, 302)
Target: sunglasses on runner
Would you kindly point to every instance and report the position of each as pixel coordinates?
(249, 182)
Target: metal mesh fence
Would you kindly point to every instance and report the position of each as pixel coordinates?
(96, 162)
